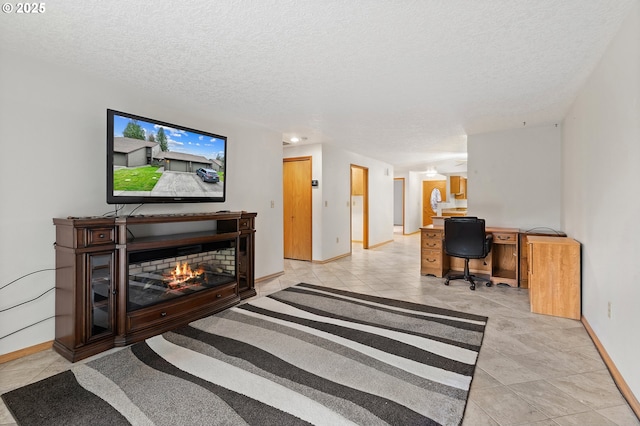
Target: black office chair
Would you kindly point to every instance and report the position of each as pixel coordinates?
(465, 237)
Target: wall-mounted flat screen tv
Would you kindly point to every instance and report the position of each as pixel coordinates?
(151, 161)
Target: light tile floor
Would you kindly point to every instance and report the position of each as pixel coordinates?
(532, 369)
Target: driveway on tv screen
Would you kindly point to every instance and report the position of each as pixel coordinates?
(184, 184)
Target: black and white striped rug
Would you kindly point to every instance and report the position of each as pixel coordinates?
(304, 355)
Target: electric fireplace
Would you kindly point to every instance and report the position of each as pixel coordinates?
(159, 275)
(120, 280)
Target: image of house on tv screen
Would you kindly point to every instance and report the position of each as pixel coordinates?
(156, 160)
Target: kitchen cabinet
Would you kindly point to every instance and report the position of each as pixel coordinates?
(458, 187)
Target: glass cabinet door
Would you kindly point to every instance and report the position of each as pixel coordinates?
(101, 284)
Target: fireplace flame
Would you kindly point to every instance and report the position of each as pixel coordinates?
(182, 273)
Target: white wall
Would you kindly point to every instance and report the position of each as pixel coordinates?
(601, 205)
(514, 177)
(332, 199)
(398, 198)
(357, 218)
(53, 135)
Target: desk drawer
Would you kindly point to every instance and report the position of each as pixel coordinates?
(504, 238)
(431, 244)
(432, 258)
(432, 234)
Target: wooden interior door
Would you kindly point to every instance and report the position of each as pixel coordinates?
(427, 188)
(297, 208)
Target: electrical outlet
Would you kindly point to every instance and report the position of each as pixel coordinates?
(326, 203)
(273, 204)
(609, 310)
(337, 240)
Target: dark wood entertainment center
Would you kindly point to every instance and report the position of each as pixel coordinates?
(112, 290)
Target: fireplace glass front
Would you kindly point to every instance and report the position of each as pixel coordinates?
(162, 274)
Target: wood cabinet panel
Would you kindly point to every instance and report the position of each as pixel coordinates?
(554, 276)
(458, 185)
(524, 252)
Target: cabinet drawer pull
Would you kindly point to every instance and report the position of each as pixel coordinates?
(101, 235)
(431, 260)
(503, 238)
(431, 245)
(163, 314)
(218, 295)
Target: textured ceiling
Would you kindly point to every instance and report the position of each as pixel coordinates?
(403, 81)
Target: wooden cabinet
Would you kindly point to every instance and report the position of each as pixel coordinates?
(458, 187)
(432, 258)
(554, 276)
(97, 307)
(246, 255)
(523, 279)
(85, 286)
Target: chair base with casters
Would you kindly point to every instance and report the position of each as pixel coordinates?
(467, 277)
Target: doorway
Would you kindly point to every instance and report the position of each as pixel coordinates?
(360, 205)
(433, 191)
(398, 206)
(297, 199)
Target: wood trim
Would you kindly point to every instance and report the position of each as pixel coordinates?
(615, 374)
(305, 157)
(365, 217)
(269, 277)
(26, 351)
(332, 259)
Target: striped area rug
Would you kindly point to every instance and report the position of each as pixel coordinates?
(304, 355)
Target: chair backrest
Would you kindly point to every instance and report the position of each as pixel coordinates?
(465, 237)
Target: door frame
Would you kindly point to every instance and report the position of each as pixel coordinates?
(365, 205)
(310, 160)
(403, 199)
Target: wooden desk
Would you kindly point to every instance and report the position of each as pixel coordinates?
(500, 265)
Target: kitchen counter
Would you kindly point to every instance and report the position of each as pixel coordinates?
(454, 212)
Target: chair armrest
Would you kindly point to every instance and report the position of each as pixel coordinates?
(488, 241)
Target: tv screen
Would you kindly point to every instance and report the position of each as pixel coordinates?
(150, 161)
